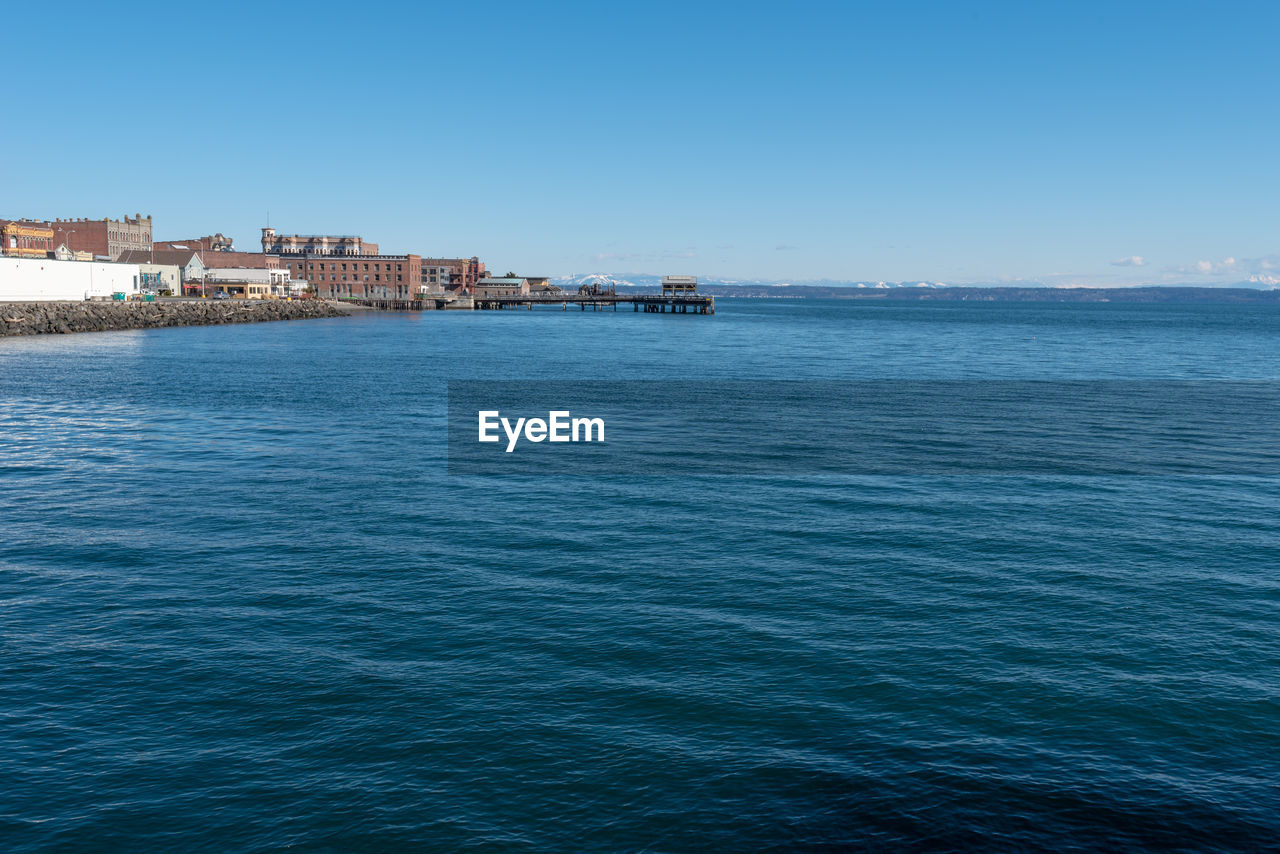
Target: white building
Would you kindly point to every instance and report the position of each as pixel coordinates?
(678, 285)
(248, 281)
(160, 278)
(42, 279)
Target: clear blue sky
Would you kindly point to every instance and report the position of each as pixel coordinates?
(957, 142)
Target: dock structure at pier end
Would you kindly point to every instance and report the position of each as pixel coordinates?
(679, 286)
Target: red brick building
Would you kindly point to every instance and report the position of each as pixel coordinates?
(348, 266)
(109, 237)
(357, 276)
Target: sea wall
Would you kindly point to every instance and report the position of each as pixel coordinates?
(42, 318)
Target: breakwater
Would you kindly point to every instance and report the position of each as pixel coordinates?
(45, 318)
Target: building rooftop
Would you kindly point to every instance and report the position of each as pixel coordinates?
(175, 257)
(317, 237)
(338, 259)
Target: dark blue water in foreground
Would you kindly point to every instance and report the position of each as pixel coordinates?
(243, 605)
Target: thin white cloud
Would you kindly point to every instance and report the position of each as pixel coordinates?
(1228, 265)
(1129, 261)
(664, 255)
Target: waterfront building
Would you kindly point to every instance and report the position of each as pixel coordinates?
(501, 287)
(325, 260)
(358, 276)
(45, 279)
(107, 238)
(25, 239)
(344, 266)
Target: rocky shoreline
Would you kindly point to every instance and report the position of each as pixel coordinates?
(52, 318)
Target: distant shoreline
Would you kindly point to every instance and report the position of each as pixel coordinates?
(1166, 294)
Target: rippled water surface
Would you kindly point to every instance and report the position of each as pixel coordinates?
(243, 605)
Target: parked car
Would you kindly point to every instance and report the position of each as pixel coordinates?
(222, 295)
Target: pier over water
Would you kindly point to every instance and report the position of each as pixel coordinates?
(648, 303)
(679, 296)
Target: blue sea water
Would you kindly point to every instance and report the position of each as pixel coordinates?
(244, 605)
